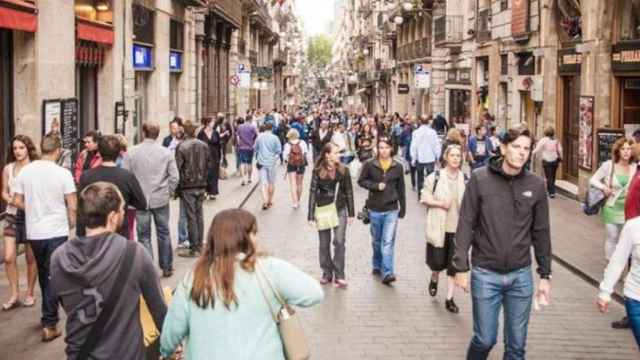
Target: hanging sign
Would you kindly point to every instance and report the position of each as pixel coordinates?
(175, 61)
(120, 116)
(142, 57)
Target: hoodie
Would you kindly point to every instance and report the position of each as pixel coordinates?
(83, 272)
(502, 217)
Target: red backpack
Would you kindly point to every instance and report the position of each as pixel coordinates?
(296, 157)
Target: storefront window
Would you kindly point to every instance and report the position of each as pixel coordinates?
(143, 24)
(95, 10)
(630, 20)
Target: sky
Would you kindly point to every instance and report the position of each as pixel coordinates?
(316, 14)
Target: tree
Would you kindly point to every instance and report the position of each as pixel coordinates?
(319, 51)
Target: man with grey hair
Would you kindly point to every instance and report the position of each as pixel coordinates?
(155, 168)
(47, 193)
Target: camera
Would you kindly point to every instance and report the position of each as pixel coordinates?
(364, 216)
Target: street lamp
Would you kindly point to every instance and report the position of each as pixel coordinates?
(398, 20)
(407, 6)
(365, 52)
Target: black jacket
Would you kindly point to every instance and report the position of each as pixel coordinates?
(501, 217)
(215, 146)
(323, 192)
(167, 141)
(393, 195)
(318, 142)
(193, 160)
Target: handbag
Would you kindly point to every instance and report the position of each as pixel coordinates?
(294, 342)
(595, 198)
(150, 332)
(327, 216)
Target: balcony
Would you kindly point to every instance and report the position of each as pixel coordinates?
(426, 46)
(279, 57)
(484, 26)
(448, 30)
(229, 9)
(260, 15)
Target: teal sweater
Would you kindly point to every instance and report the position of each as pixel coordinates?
(246, 332)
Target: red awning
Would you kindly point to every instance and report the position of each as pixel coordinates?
(18, 15)
(96, 32)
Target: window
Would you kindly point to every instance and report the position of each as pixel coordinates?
(504, 5)
(143, 24)
(176, 37)
(94, 10)
(504, 64)
(630, 20)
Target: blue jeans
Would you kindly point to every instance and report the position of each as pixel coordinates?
(160, 217)
(183, 233)
(383, 237)
(42, 251)
(633, 313)
(490, 291)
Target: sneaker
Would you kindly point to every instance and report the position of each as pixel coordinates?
(243, 183)
(389, 279)
(341, 284)
(50, 333)
(167, 273)
(325, 280)
(184, 245)
(376, 272)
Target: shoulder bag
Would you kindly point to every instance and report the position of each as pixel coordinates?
(595, 198)
(294, 342)
(327, 216)
(95, 334)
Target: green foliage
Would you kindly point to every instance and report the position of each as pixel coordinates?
(319, 51)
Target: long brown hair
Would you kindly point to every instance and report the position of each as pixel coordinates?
(322, 166)
(214, 272)
(28, 143)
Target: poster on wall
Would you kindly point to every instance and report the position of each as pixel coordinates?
(585, 150)
(120, 116)
(70, 125)
(51, 116)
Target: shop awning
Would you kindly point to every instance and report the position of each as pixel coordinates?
(93, 31)
(18, 15)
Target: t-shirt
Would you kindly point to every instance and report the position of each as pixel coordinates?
(247, 135)
(44, 186)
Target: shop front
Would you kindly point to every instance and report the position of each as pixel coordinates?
(625, 63)
(458, 93)
(568, 124)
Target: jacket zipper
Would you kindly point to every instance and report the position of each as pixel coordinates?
(515, 209)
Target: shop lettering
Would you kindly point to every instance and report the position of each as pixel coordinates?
(572, 59)
(629, 56)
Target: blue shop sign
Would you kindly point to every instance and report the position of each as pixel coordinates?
(175, 61)
(142, 57)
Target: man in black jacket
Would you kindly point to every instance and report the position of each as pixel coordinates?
(504, 213)
(383, 177)
(192, 159)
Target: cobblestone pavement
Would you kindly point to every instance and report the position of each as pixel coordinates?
(372, 321)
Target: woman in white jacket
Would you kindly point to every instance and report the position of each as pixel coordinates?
(613, 178)
(442, 193)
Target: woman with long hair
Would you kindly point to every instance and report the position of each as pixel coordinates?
(365, 143)
(295, 155)
(21, 152)
(442, 194)
(613, 178)
(331, 196)
(210, 136)
(223, 305)
(551, 151)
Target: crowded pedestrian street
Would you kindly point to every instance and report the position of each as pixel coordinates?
(372, 321)
(319, 179)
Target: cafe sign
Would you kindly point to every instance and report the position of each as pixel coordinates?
(569, 61)
(625, 57)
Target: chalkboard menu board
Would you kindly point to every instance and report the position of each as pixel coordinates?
(70, 128)
(606, 139)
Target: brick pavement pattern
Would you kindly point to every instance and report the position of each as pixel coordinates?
(370, 320)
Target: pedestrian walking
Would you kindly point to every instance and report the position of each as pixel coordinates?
(112, 274)
(192, 160)
(383, 177)
(365, 144)
(551, 150)
(171, 142)
(480, 148)
(125, 180)
(21, 153)
(210, 136)
(320, 137)
(331, 209)
(295, 154)
(66, 156)
(246, 137)
(442, 194)
(440, 125)
(502, 229)
(234, 292)
(425, 151)
(405, 141)
(628, 247)
(154, 166)
(613, 177)
(47, 194)
(89, 158)
(268, 149)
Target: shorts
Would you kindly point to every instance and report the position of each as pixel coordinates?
(245, 156)
(15, 227)
(298, 169)
(268, 174)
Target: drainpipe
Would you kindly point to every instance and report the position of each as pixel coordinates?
(124, 62)
(200, 32)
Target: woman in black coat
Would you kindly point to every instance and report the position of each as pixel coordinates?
(210, 136)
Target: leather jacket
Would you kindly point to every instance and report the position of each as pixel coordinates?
(193, 159)
(322, 192)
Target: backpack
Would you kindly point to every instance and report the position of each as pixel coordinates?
(296, 157)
